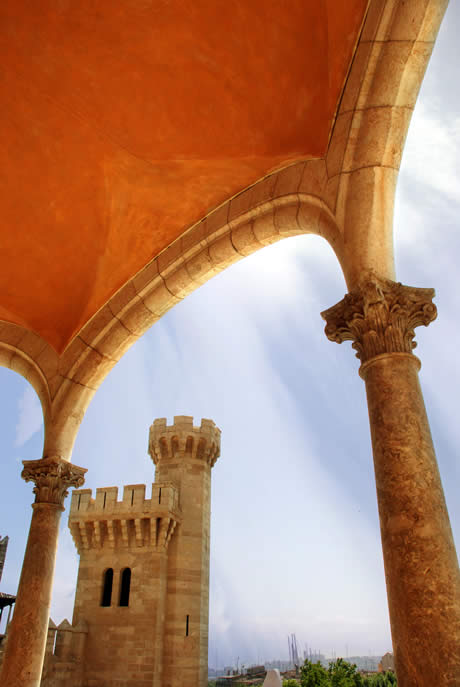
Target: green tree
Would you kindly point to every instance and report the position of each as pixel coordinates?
(340, 674)
(344, 674)
(313, 675)
(387, 679)
(290, 683)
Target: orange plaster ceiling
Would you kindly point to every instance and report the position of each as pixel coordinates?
(122, 123)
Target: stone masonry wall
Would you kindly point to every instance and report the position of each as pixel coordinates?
(63, 665)
(124, 643)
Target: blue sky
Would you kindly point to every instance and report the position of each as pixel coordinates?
(295, 534)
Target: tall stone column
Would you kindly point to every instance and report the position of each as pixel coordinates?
(27, 634)
(421, 567)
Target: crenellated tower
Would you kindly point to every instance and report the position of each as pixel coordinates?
(184, 455)
(121, 587)
(142, 593)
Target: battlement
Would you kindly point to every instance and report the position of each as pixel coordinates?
(135, 521)
(164, 496)
(183, 439)
(64, 654)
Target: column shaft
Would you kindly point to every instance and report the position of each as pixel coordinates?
(27, 635)
(421, 568)
(25, 650)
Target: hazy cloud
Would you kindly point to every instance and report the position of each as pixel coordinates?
(431, 154)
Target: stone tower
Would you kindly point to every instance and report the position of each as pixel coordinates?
(184, 455)
(143, 581)
(3, 548)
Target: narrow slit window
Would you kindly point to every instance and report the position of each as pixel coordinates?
(159, 496)
(187, 622)
(125, 586)
(107, 583)
(79, 501)
(105, 498)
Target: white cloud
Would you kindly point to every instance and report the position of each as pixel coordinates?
(431, 152)
(30, 417)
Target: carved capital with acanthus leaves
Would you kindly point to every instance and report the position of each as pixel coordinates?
(53, 476)
(380, 317)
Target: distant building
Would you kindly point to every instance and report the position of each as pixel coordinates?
(368, 663)
(3, 548)
(282, 666)
(387, 663)
(316, 657)
(6, 600)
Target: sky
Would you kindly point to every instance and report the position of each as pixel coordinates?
(295, 542)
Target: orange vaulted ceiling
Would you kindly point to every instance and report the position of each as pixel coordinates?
(124, 122)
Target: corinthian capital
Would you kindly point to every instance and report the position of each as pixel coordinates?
(53, 477)
(380, 317)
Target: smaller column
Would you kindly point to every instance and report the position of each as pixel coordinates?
(25, 650)
(421, 568)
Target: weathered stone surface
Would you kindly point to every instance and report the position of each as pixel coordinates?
(131, 534)
(28, 632)
(421, 568)
(53, 477)
(380, 317)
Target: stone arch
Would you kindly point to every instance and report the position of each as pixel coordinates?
(369, 132)
(347, 198)
(21, 351)
(203, 251)
(26, 353)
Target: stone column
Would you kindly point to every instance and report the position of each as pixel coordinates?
(25, 650)
(421, 567)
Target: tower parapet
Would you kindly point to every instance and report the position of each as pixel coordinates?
(167, 442)
(134, 521)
